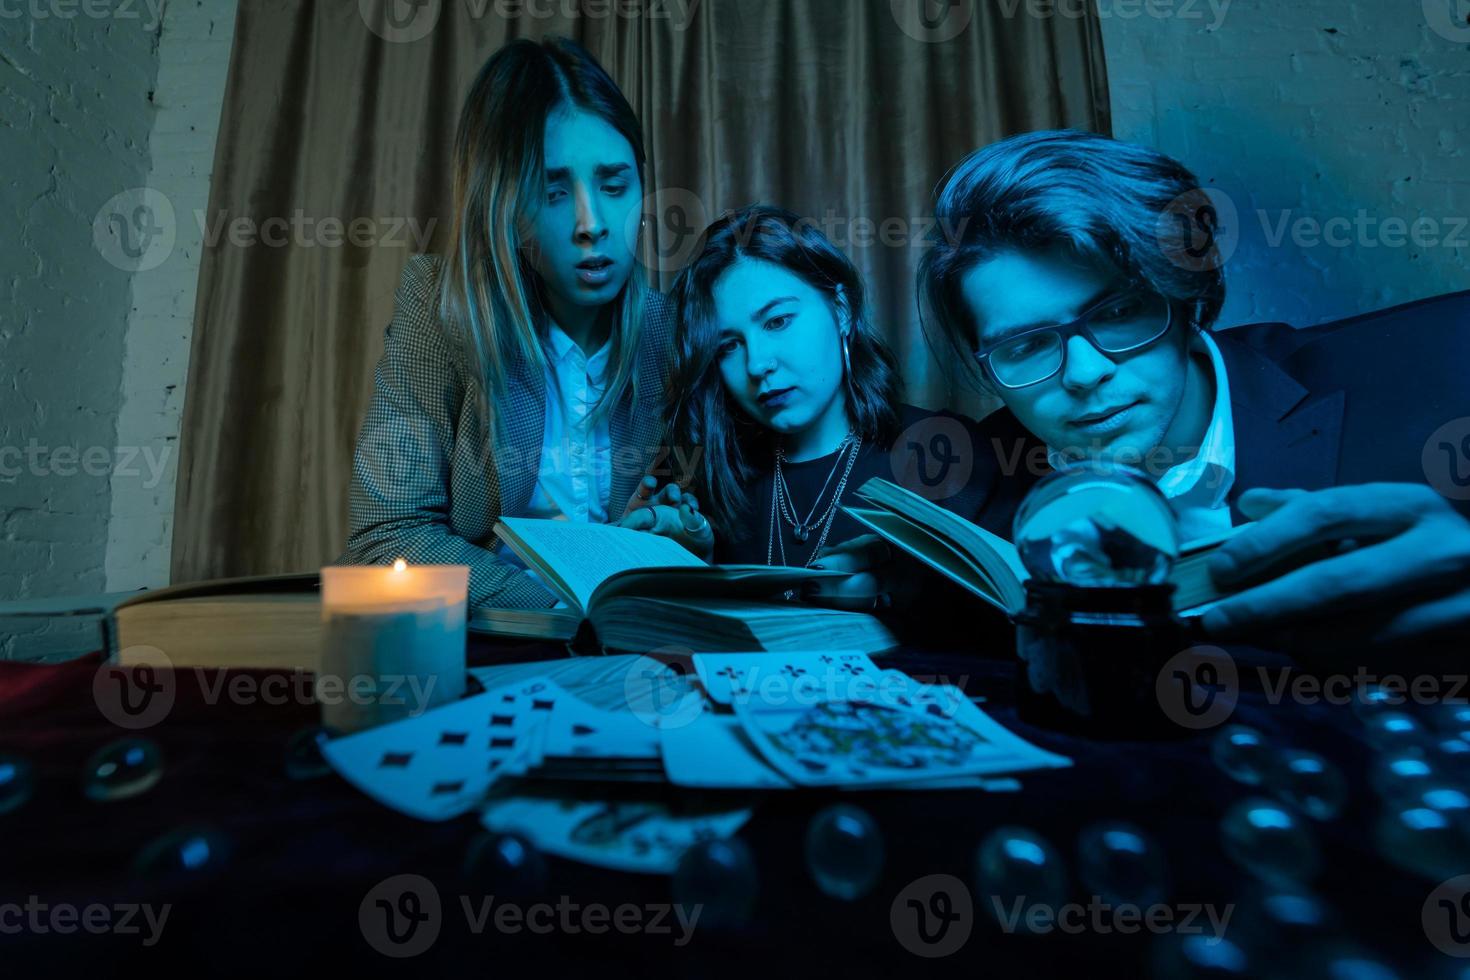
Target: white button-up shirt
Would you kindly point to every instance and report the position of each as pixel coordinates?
(574, 479)
(1196, 488)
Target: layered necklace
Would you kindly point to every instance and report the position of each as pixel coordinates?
(782, 505)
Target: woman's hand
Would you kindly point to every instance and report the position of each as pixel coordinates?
(671, 512)
(877, 578)
(1401, 571)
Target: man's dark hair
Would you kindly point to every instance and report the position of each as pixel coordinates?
(1112, 203)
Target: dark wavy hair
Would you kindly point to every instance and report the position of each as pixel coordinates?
(702, 415)
(1117, 204)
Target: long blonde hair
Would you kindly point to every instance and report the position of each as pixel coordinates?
(490, 294)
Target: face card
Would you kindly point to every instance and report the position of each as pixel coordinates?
(850, 743)
(441, 764)
(783, 678)
(640, 836)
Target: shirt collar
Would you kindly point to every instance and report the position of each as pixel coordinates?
(564, 348)
(1207, 477)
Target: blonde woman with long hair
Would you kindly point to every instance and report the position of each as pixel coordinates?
(523, 372)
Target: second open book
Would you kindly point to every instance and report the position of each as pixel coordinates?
(987, 564)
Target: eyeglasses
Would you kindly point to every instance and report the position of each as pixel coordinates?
(1118, 324)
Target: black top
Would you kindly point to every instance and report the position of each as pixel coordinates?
(935, 454)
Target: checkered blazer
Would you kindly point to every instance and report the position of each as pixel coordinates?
(428, 487)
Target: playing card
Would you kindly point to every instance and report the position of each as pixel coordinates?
(578, 730)
(834, 743)
(647, 836)
(713, 752)
(441, 764)
(784, 678)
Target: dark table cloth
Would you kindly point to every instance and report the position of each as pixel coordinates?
(303, 854)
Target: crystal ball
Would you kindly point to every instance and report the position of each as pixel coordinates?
(1097, 524)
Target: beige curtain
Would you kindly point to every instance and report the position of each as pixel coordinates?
(333, 166)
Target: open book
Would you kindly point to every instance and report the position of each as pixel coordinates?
(640, 591)
(987, 564)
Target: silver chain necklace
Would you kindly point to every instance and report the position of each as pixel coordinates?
(780, 495)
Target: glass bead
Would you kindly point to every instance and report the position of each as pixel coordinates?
(1270, 918)
(844, 851)
(1308, 782)
(1451, 719)
(506, 864)
(720, 876)
(1199, 957)
(1423, 841)
(122, 769)
(1270, 841)
(1394, 731)
(1371, 700)
(186, 849)
(1242, 753)
(17, 782)
(1121, 865)
(1401, 775)
(1017, 869)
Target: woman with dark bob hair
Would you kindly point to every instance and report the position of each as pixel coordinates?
(793, 400)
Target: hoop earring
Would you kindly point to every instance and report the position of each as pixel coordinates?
(846, 359)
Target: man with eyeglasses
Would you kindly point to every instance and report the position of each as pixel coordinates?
(1076, 291)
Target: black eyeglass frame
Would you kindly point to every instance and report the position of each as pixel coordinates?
(1081, 325)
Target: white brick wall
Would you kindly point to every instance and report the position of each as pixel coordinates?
(1312, 111)
(75, 113)
(194, 57)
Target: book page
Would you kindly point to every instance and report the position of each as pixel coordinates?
(980, 544)
(576, 558)
(933, 551)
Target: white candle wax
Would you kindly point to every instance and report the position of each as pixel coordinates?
(393, 642)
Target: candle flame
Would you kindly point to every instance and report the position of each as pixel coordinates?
(399, 565)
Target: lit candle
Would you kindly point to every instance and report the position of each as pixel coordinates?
(393, 641)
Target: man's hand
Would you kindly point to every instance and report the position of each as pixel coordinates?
(876, 581)
(1400, 571)
(670, 512)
